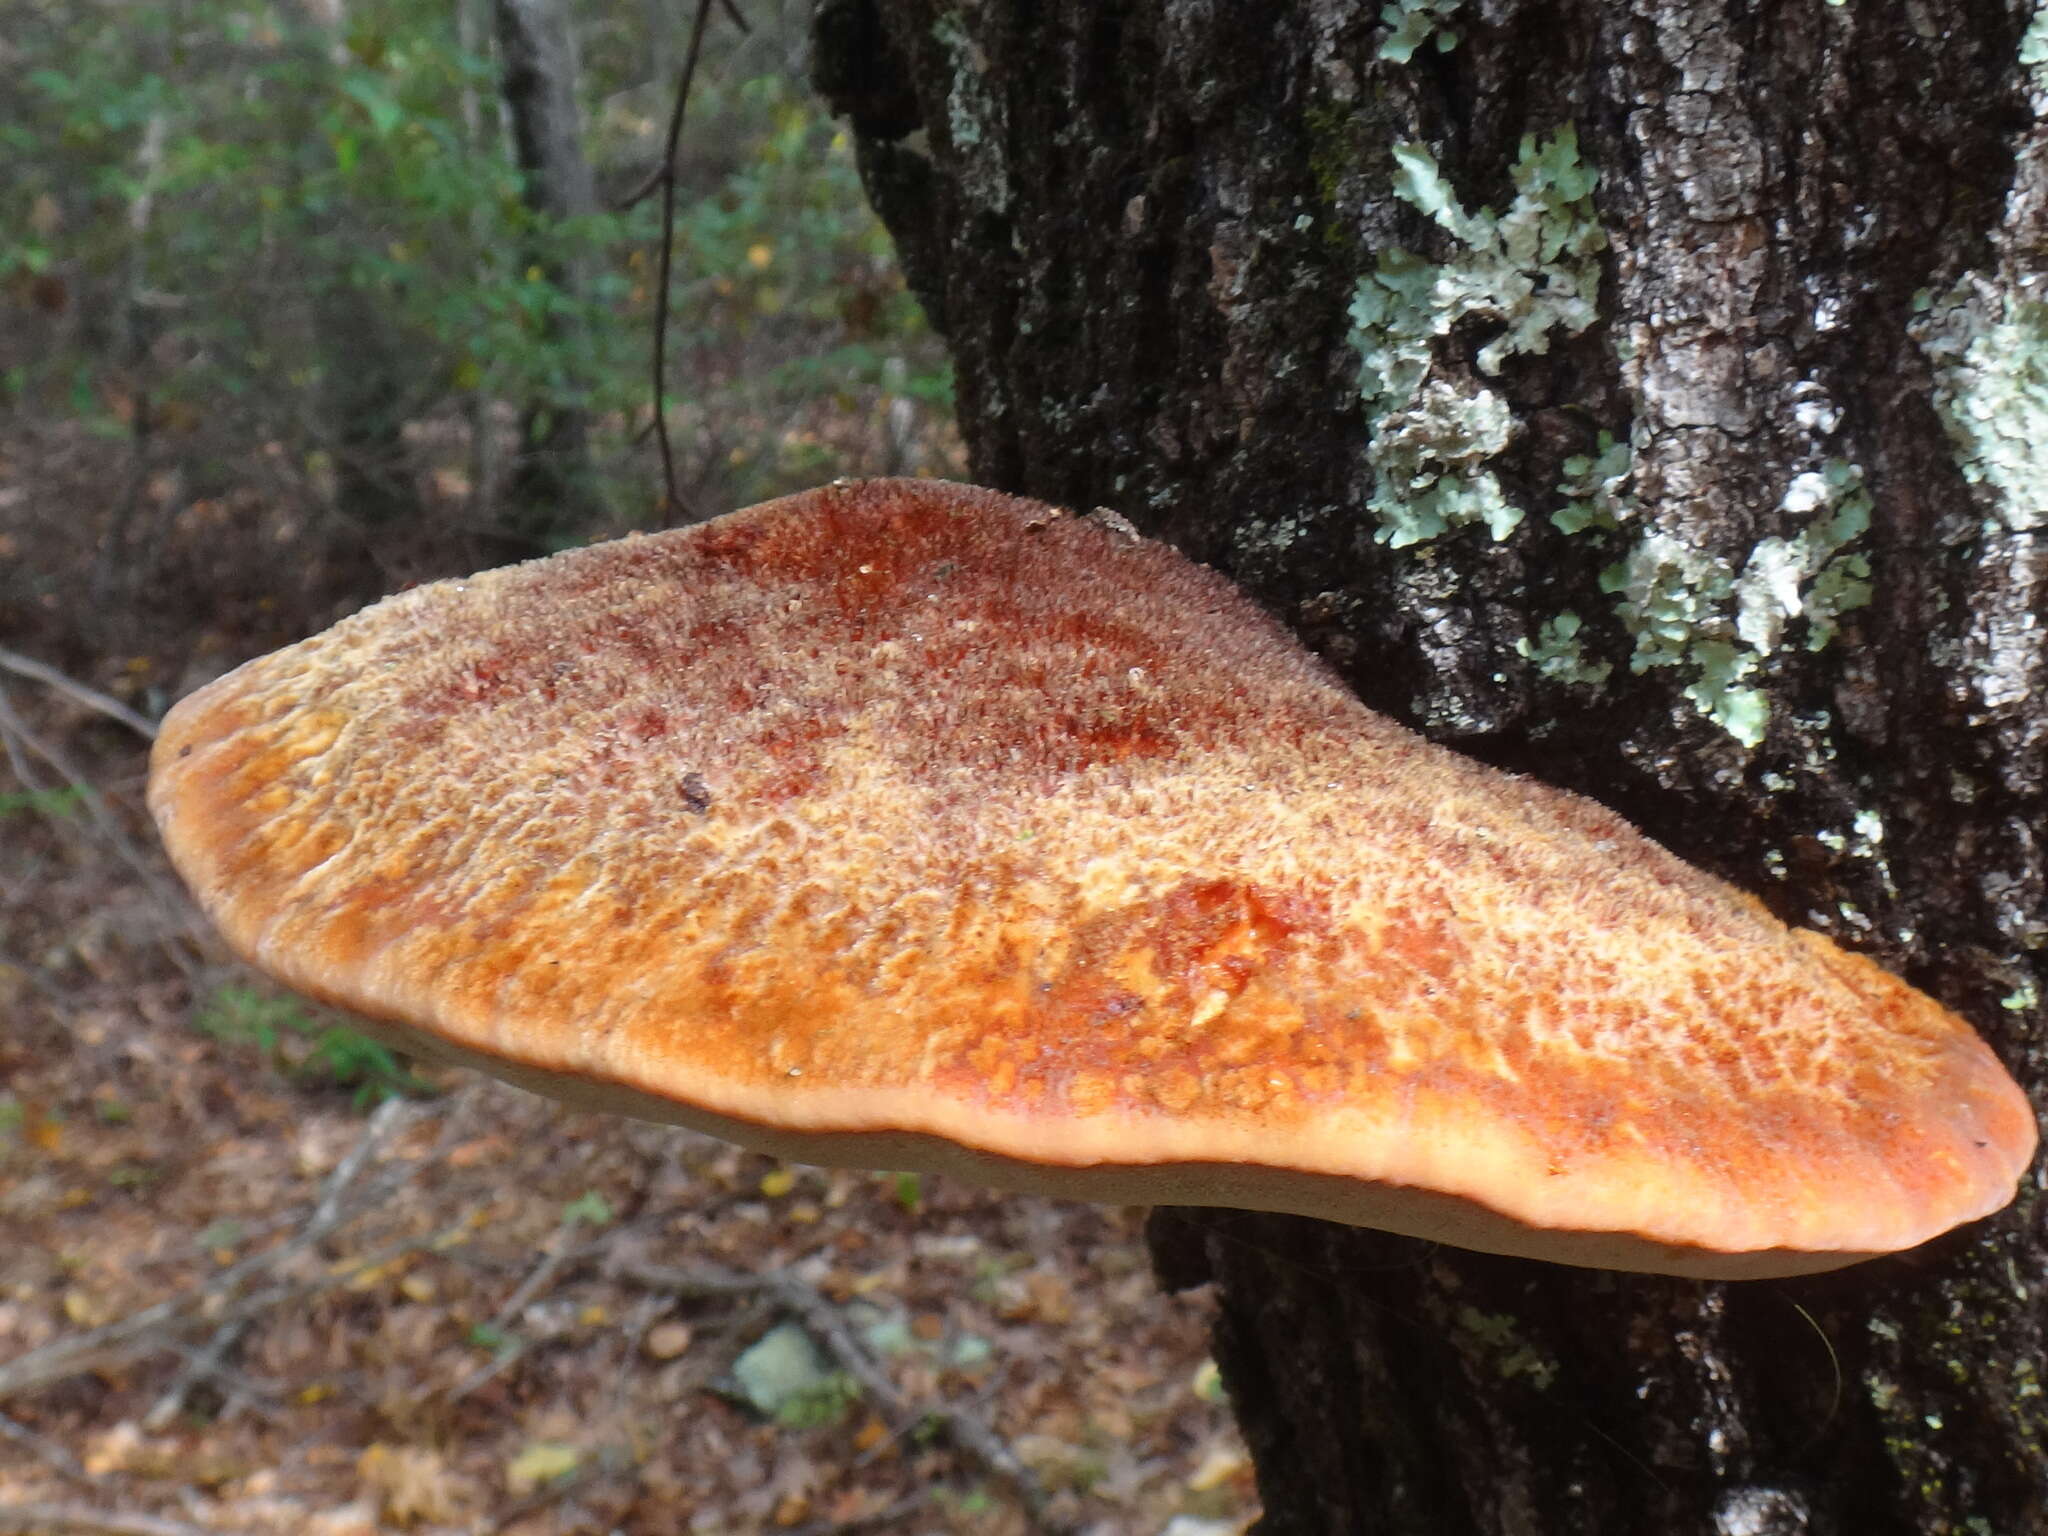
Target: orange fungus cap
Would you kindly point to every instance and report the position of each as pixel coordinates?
(908, 825)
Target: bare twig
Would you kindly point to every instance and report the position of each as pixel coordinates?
(67, 1356)
(71, 688)
(829, 1326)
(667, 169)
(45, 1449)
(902, 1509)
(203, 1364)
(538, 1278)
(598, 1469)
(19, 740)
(71, 1517)
(384, 1120)
(671, 497)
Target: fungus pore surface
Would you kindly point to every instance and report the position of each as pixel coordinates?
(909, 825)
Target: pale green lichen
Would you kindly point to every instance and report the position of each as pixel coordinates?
(974, 119)
(1532, 272)
(1689, 608)
(1414, 23)
(1810, 573)
(2026, 995)
(2034, 44)
(1989, 348)
(1595, 488)
(1863, 840)
(1675, 600)
(1558, 655)
(1513, 1356)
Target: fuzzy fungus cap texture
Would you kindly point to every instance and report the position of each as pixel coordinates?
(908, 825)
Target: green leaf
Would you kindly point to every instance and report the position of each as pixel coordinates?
(542, 1462)
(590, 1207)
(62, 801)
(369, 93)
(57, 87)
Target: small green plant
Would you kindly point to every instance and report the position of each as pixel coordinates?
(820, 1406)
(306, 1049)
(784, 1377)
(64, 801)
(589, 1208)
(134, 1176)
(223, 1233)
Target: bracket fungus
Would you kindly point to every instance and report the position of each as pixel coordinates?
(908, 825)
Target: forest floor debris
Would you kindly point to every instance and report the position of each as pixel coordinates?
(239, 1296)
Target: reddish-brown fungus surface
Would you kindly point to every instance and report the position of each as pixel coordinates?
(912, 825)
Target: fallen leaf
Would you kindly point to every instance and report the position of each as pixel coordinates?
(871, 1434)
(541, 1462)
(113, 1451)
(1218, 1467)
(44, 1133)
(412, 1483)
(665, 1341)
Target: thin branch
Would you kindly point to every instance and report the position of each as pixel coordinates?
(538, 1278)
(672, 502)
(666, 171)
(595, 1470)
(67, 1356)
(888, 1514)
(200, 1366)
(71, 688)
(829, 1326)
(387, 1118)
(18, 738)
(664, 177)
(72, 1517)
(45, 1449)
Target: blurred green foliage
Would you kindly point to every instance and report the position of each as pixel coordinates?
(66, 800)
(313, 1052)
(189, 185)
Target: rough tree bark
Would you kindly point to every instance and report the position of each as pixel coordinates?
(1716, 490)
(550, 494)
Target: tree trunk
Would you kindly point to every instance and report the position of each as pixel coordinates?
(550, 495)
(1649, 397)
(363, 376)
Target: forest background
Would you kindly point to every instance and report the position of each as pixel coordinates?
(290, 317)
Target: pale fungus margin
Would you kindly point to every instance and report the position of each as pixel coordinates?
(909, 825)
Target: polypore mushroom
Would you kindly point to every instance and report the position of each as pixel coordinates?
(908, 825)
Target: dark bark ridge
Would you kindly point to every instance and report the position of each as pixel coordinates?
(1144, 227)
(549, 495)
